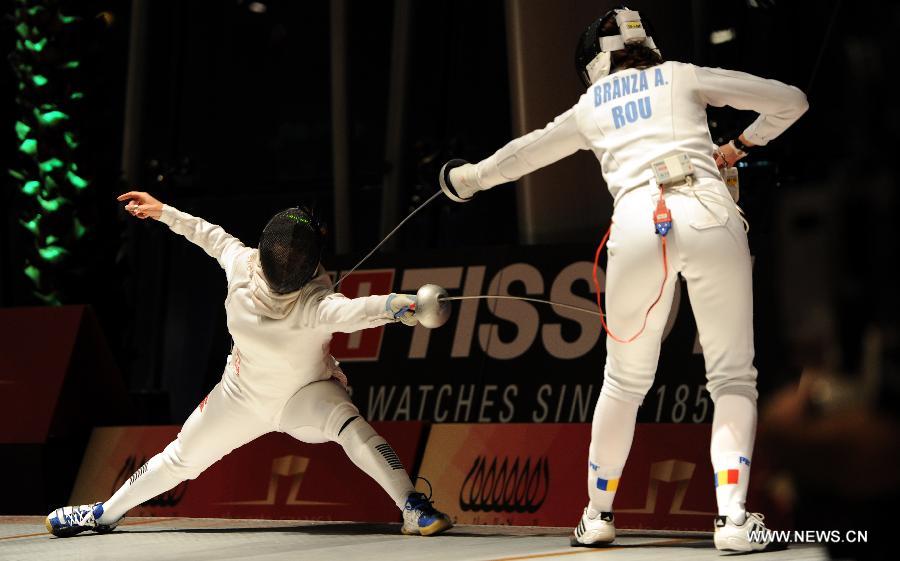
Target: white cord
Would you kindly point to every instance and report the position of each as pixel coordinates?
(538, 300)
(391, 233)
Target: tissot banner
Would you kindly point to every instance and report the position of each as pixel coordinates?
(507, 361)
(537, 475)
(274, 476)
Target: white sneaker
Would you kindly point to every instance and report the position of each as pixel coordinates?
(594, 532)
(420, 518)
(741, 537)
(70, 520)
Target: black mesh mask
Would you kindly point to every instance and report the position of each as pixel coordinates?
(290, 249)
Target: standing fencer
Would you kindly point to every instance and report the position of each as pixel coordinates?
(638, 111)
(281, 313)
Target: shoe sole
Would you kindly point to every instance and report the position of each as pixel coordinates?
(573, 541)
(62, 532)
(732, 544)
(436, 527)
(433, 529)
(68, 533)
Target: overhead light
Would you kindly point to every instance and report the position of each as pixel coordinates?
(722, 36)
(257, 7)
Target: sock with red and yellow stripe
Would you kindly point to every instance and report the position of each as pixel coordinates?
(731, 446)
(731, 477)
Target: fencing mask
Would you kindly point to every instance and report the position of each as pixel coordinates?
(595, 46)
(290, 249)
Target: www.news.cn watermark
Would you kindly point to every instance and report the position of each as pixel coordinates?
(809, 536)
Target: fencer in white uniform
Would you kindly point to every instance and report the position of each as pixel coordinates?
(279, 376)
(644, 111)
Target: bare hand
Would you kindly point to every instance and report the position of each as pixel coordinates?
(727, 155)
(141, 205)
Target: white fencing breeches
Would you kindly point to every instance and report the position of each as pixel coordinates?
(708, 246)
(229, 418)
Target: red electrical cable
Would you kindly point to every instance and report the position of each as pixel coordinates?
(658, 296)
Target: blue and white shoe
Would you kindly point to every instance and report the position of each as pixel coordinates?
(71, 520)
(420, 518)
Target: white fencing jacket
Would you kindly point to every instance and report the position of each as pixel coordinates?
(634, 117)
(281, 341)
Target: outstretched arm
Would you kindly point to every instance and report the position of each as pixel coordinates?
(337, 313)
(215, 241)
(560, 138)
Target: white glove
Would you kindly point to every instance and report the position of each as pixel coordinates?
(461, 182)
(403, 308)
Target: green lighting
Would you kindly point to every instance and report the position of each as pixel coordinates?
(28, 146)
(79, 229)
(52, 117)
(53, 204)
(70, 140)
(33, 273)
(76, 181)
(49, 165)
(32, 225)
(31, 187)
(51, 298)
(52, 253)
(36, 47)
(46, 56)
(22, 130)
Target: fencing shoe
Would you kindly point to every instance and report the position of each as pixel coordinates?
(420, 518)
(70, 520)
(594, 532)
(749, 536)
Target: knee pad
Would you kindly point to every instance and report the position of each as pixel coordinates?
(317, 412)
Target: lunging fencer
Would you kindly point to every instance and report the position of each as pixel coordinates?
(281, 313)
(645, 120)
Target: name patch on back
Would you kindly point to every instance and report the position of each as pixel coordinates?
(621, 86)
